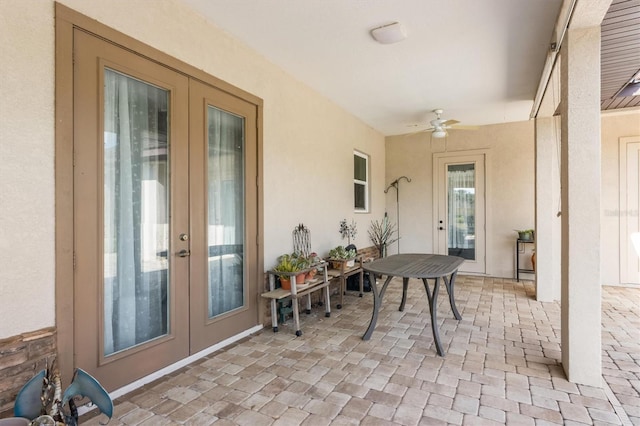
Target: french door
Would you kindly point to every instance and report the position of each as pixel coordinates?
(163, 213)
(629, 207)
(459, 208)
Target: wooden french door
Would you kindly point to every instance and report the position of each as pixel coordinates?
(459, 208)
(163, 213)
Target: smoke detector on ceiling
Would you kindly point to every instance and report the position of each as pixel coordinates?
(390, 33)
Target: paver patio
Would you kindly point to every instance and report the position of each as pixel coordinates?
(502, 366)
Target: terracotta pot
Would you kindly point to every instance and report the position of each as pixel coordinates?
(285, 283)
(311, 274)
(533, 260)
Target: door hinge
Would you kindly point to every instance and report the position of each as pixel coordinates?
(74, 260)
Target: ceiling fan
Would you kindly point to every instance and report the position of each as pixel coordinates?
(438, 125)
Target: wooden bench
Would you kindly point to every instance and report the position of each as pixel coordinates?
(341, 270)
(319, 282)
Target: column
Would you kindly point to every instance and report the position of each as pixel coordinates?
(581, 291)
(547, 140)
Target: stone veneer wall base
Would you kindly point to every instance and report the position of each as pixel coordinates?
(21, 358)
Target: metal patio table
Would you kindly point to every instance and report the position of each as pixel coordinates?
(414, 265)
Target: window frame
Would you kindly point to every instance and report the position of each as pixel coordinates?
(364, 183)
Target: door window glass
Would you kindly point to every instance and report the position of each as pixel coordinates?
(226, 211)
(136, 212)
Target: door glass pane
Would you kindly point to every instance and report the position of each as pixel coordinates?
(136, 212)
(461, 210)
(225, 191)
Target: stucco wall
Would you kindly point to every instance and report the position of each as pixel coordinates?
(509, 185)
(308, 142)
(26, 166)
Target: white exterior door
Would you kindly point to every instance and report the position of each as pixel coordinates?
(629, 209)
(459, 208)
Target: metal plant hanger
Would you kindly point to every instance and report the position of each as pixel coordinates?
(394, 185)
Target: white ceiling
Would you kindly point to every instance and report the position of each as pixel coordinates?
(479, 60)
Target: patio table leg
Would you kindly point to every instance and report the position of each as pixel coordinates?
(377, 301)
(448, 283)
(433, 296)
(405, 287)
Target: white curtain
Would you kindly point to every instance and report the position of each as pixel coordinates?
(461, 208)
(135, 212)
(226, 211)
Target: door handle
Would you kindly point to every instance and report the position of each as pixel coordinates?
(184, 253)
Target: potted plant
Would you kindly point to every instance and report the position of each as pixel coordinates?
(289, 263)
(381, 235)
(314, 262)
(348, 231)
(525, 234)
(339, 254)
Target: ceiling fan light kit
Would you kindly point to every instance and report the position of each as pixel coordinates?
(390, 33)
(439, 133)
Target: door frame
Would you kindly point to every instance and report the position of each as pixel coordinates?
(487, 196)
(66, 20)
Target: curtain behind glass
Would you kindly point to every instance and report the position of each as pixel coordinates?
(461, 209)
(136, 183)
(225, 211)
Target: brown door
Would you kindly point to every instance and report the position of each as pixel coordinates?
(160, 216)
(223, 190)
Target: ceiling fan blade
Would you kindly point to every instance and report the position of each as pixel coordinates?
(450, 122)
(456, 127)
(406, 135)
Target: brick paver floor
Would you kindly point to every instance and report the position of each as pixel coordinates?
(502, 366)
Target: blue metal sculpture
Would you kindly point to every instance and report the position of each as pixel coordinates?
(41, 398)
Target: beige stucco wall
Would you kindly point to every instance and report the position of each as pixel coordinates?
(509, 185)
(308, 142)
(26, 166)
(614, 126)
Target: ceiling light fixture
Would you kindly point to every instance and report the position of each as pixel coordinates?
(390, 33)
(632, 88)
(439, 133)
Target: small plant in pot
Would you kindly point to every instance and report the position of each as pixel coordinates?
(525, 234)
(381, 235)
(314, 261)
(348, 231)
(289, 263)
(340, 254)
